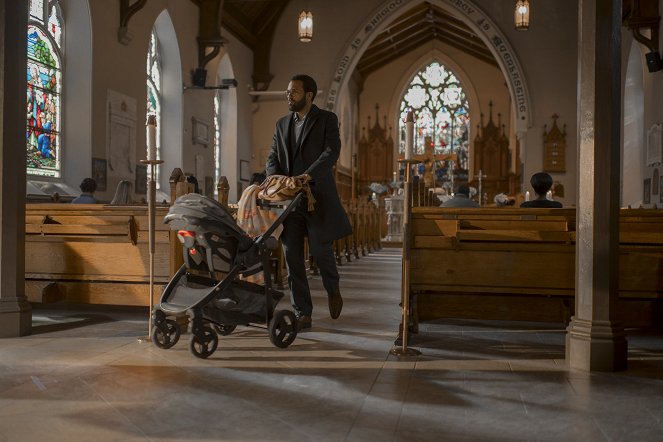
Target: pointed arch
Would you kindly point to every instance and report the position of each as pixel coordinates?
(170, 131)
(633, 156)
(466, 11)
(226, 159)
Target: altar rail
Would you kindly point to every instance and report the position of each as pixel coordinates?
(520, 264)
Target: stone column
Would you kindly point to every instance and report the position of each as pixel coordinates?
(595, 340)
(15, 311)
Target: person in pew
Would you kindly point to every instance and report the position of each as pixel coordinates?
(122, 195)
(307, 142)
(461, 198)
(88, 187)
(541, 183)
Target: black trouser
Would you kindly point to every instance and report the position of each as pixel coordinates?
(295, 229)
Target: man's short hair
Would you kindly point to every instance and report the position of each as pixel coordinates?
(88, 185)
(308, 82)
(463, 189)
(541, 183)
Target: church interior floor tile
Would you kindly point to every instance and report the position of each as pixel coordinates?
(84, 375)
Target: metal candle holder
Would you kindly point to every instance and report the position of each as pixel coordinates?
(403, 350)
(151, 215)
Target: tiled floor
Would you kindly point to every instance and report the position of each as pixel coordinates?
(83, 376)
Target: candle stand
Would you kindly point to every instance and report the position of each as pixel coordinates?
(403, 350)
(151, 214)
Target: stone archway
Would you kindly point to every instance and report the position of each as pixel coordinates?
(476, 19)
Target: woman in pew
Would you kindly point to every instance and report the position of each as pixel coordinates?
(541, 183)
(122, 194)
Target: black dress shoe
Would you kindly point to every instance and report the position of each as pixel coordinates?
(335, 304)
(304, 323)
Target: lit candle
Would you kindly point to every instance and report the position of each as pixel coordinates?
(151, 137)
(409, 134)
(394, 176)
(527, 196)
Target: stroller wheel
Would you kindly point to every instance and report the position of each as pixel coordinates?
(204, 342)
(224, 330)
(283, 328)
(166, 334)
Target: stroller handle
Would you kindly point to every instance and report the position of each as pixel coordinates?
(289, 208)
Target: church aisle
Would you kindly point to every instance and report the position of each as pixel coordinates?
(82, 375)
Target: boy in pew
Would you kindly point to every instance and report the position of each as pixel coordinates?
(88, 187)
(541, 183)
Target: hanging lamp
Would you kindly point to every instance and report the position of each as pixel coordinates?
(305, 26)
(522, 15)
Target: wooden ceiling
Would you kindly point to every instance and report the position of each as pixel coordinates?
(417, 26)
(254, 21)
(248, 20)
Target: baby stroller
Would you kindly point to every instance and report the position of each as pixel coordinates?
(208, 287)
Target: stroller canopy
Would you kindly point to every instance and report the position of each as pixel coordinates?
(196, 212)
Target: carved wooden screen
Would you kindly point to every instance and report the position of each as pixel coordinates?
(554, 148)
(376, 155)
(492, 159)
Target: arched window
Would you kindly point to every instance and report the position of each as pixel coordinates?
(154, 98)
(44, 88)
(438, 101)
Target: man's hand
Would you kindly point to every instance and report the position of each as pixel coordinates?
(305, 177)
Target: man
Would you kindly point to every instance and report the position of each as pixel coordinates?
(88, 187)
(461, 198)
(541, 183)
(307, 142)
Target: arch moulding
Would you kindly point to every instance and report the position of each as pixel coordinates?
(466, 11)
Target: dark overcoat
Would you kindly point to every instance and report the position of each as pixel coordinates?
(316, 154)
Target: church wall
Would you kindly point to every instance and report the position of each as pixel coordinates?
(121, 68)
(548, 56)
(546, 52)
(334, 24)
(652, 113)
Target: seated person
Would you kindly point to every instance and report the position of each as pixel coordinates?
(122, 194)
(461, 198)
(88, 187)
(541, 183)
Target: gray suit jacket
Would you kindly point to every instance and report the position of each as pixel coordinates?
(315, 154)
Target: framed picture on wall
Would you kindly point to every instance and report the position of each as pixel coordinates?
(660, 191)
(646, 197)
(200, 131)
(99, 173)
(244, 170)
(141, 179)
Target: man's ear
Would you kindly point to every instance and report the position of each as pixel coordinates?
(310, 95)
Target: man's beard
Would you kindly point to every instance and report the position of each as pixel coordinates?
(297, 105)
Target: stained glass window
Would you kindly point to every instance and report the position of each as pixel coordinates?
(44, 89)
(154, 86)
(438, 101)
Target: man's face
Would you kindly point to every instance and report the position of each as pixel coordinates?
(296, 96)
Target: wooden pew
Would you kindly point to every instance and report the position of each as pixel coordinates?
(508, 263)
(93, 253)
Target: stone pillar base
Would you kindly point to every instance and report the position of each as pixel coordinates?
(15, 317)
(596, 345)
